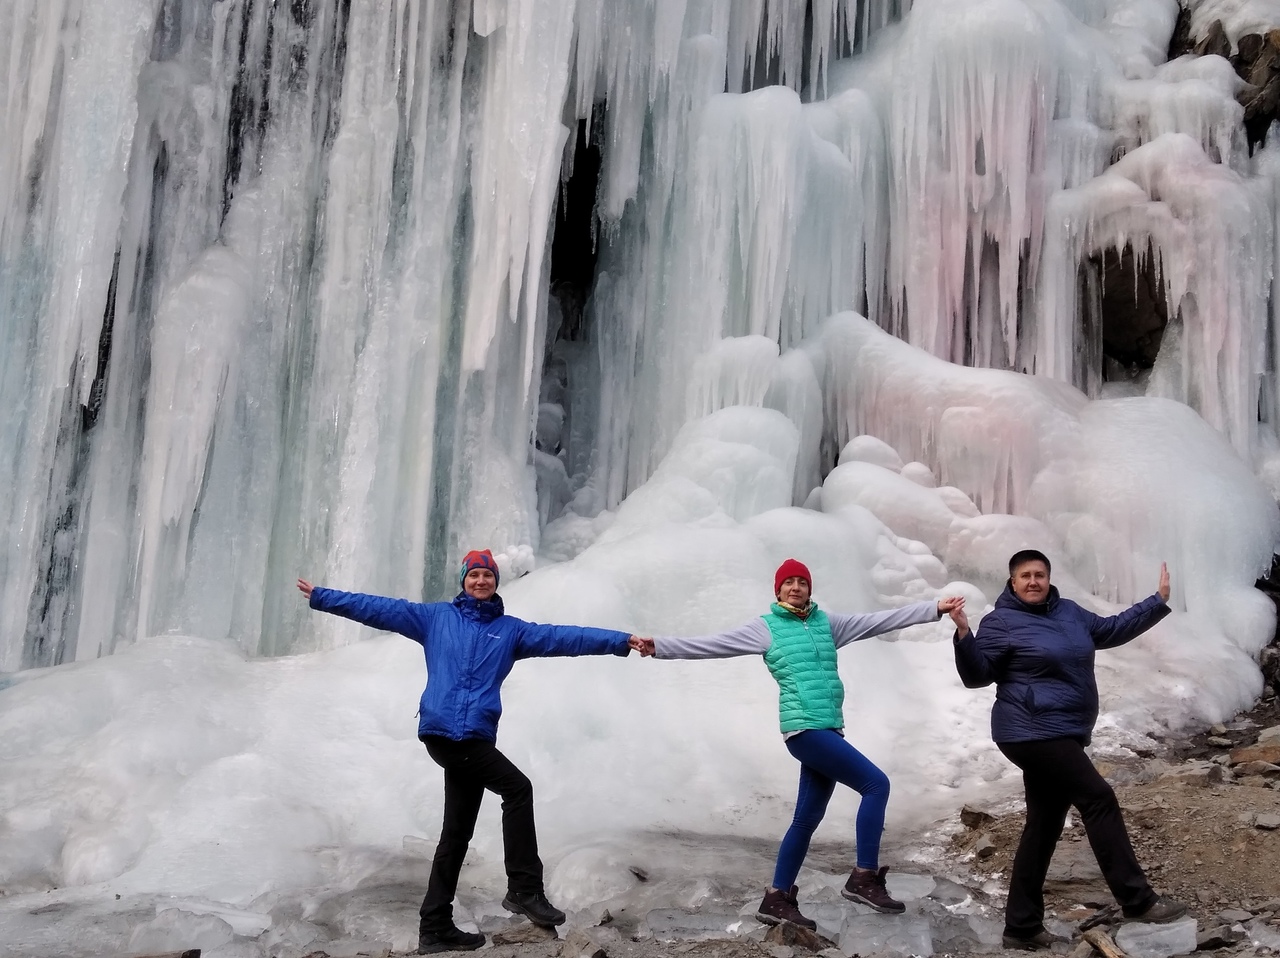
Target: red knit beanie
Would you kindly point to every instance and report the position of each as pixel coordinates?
(479, 559)
(789, 568)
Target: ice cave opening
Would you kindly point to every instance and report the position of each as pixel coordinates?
(1124, 315)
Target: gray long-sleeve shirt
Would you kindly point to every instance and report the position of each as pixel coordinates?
(754, 638)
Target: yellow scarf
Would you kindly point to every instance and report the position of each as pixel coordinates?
(798, 613)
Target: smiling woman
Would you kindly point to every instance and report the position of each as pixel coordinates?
(470, 646)
(799, 642)
(1029, 575)
(1038, 649)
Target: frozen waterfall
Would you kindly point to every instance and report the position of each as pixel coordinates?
(275, 285)
(645, 295)
(295, 286)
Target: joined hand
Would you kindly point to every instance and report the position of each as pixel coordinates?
(953, 605)
(642, 645)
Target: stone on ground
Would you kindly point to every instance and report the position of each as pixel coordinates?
(524, 934)
(787, 935)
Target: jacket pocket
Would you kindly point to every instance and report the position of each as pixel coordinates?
(1029, 700)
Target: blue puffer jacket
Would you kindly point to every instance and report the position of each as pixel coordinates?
(1041, 659)
(470, 647)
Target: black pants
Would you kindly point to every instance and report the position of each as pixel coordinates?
(470, 767)
(1058, 774)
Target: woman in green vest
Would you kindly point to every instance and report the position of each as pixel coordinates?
(799, 642)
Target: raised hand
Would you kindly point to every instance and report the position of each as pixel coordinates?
(953, 605)
(305, 587)
(1163, 588)
(642, 645)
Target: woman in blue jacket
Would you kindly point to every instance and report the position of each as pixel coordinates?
(470, 646)
(1038, 649)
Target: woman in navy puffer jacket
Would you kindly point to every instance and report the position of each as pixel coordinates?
(1038, 648)
(470, 646)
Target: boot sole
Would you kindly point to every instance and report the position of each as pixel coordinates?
(443, 947)
(883, 909)
(1026, 944)
(774, 920)
(511, 906)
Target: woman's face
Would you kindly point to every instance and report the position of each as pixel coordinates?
(1031, 582)
(794, 591)
(479, 584)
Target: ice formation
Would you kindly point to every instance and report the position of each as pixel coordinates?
(274, 780)
(359, 206)
(282, 291)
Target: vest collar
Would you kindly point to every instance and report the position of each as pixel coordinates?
(787, 611)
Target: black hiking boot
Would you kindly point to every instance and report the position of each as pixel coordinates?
(779, 906)
(535, 907)
(450, 939)
(869, 888)
(1161, 911)
(1040, 941)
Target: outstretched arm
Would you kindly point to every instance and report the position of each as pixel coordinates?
(753, 638)
(1115, 630)
(541, 641)
(376, 611)
(864, 625)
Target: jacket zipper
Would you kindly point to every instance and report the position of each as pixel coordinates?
(818, 657)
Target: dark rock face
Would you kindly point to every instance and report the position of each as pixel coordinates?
(1214, 42)
(1182, 41)
(1257, 62)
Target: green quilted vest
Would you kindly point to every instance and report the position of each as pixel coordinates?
(802, 658)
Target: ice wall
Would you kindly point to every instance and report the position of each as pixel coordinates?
(275, 282)
(275, 277)
(260, 787)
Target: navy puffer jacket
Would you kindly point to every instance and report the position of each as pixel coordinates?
(470, 647)
(1041, 659)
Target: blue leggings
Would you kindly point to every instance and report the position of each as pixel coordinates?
(826, 758)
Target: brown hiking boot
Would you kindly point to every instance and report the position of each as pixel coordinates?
(869, 888)
(1161, 911)
(779, 906)
(1040, 941)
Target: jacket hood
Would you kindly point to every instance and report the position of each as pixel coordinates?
(1009, 600)
(485, 610)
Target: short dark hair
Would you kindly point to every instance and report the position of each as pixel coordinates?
(1028, 555)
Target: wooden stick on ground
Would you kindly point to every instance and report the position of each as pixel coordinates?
(1102, 941)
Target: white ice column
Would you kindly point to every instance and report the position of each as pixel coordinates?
(773, 217)
(968, 117)
(61, 189)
